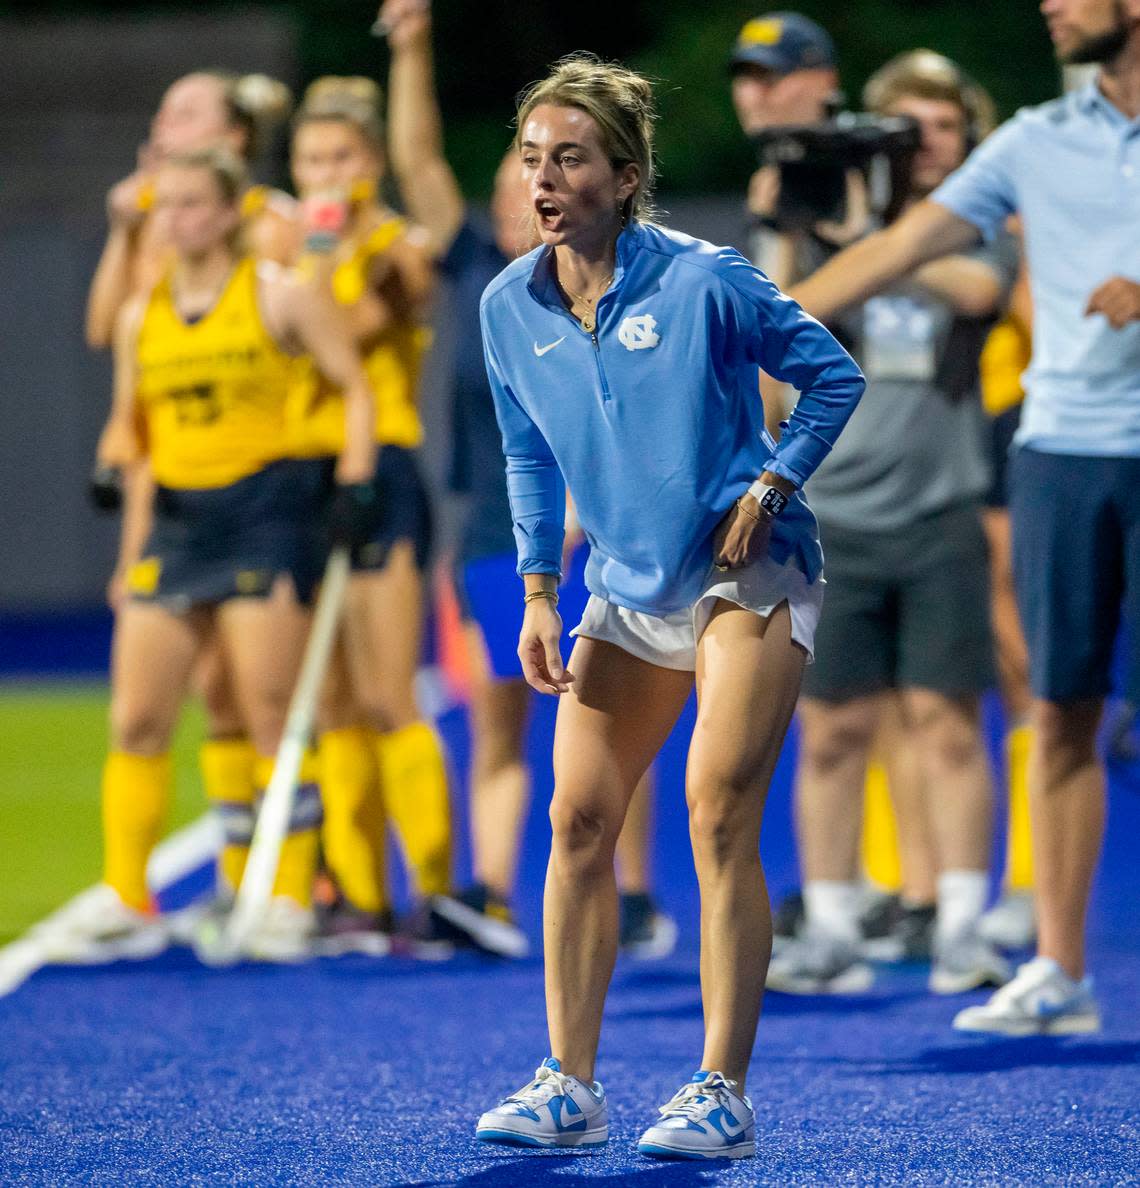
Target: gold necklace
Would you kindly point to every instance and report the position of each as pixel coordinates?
(589, 320)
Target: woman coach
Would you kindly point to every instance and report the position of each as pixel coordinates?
(623, 361)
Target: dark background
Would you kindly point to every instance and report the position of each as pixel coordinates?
(488, 51)
(79, 83)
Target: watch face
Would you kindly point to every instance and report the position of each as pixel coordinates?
(774, 501)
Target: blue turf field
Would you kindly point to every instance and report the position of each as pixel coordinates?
(358, 1072)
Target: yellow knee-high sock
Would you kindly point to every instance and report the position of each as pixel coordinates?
(880, 838)
(227, 771)
(413, 782)
(297, 865)
(353, 833)
(136, 796)
(1019, 849)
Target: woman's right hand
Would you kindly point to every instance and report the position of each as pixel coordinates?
(539, 648)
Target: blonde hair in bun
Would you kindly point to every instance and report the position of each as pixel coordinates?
(350, 99)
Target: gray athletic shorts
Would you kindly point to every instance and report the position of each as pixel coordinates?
(905, 610)
(670, 641)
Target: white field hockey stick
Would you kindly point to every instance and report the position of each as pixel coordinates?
(277, 804)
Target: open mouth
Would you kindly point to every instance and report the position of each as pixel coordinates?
(549, 214)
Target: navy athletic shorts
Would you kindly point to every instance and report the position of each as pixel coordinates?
(212, 544)
(1076, 569)
(403, 510)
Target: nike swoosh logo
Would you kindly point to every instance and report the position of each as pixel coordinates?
(540, 351)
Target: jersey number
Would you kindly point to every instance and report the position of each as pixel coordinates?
(196, 405)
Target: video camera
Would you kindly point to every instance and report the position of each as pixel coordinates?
(814, 159)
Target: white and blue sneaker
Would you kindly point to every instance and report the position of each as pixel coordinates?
(706, 1119)
(554, 1110)
(1041, 1000)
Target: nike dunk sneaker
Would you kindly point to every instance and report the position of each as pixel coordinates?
(706, 1119)
(554, 1110)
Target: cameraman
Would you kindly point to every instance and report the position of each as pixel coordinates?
(906, 613)
(784, 73)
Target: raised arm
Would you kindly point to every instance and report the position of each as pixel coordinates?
(307, 314)
(427, 183)
(114, 275)
(120, 444)
(926, 232)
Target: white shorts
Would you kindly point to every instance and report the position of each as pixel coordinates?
(670, 641)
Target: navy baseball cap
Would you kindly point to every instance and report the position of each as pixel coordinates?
(783, 42)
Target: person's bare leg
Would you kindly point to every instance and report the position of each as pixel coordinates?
(500, 780)
(956, 770)
(1010, 650)
(1067, 808)
(835, 741)
(1012, 657)
(634, 840)
(384, 633)
(152, 656)
(264, 639)
(917, 855)
(748, 679)
(610, 726)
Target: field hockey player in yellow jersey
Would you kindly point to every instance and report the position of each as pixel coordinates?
(206, 359)
(380, 760)
(199, 110)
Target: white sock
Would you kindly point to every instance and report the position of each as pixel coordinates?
(832, 909)
(961, 900)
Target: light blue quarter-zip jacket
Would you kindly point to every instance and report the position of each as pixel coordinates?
(655, 420)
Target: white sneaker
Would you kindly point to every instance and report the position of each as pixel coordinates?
(965, 963)
(706, 1119)
(1041, 1000)
(284, 933)
(554, 1110)
(815, 964)
(1011, 923)
(100, 928)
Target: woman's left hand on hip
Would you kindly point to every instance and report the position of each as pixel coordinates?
(742, 536)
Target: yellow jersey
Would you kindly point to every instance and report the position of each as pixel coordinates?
(392, 365)
(213, 393)
(1004, 357)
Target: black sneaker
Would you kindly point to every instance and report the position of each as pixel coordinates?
(344, 928)
(481, 919)
(877, 927)
(915, 931)
(647, 933)
(424, 934)
(894, 931)
(787, 920)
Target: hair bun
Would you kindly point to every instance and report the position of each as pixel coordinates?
(267, 99)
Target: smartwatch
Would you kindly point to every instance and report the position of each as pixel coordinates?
(771, 499)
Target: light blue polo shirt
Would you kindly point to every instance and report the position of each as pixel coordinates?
(1071, 169)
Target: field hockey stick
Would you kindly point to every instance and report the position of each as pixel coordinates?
(277, 804)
